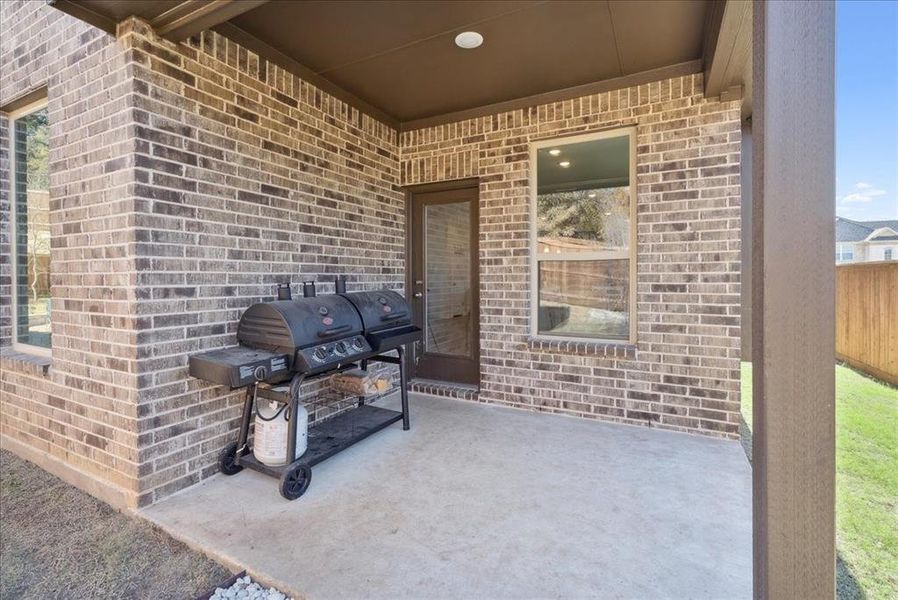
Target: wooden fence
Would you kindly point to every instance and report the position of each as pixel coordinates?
(867, 318)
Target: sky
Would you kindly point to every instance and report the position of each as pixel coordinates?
(867, 110)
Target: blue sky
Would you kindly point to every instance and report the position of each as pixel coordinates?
(867, 110)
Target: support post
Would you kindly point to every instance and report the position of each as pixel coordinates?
(794, 300)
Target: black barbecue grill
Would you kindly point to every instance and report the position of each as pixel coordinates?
(306, 338)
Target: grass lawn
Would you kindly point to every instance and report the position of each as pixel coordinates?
(58, 542)
(866, 482)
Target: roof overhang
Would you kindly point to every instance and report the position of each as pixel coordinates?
(396, 60)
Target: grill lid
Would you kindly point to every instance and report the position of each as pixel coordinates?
(381, 309)
(289, 325)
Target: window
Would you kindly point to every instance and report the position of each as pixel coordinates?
(887, 254)
(583, 267)
(844, 253)
(31, 228)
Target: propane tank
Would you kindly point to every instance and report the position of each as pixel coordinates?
(271, 428)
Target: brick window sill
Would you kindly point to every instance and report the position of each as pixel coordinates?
(22, 362)
(602, 349)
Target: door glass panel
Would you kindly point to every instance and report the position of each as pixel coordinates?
(447, 276)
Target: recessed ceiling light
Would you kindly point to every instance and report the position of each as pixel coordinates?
(468, 39)
(554, 151)
(564, 164)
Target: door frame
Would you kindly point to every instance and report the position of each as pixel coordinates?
(441, 186)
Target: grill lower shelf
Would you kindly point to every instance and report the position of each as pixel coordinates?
(333, 436)
(324, 440)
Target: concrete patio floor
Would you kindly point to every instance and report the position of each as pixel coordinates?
(478, 501)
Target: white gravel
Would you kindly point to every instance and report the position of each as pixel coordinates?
(246, 589)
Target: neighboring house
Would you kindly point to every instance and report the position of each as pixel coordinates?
(866, 241)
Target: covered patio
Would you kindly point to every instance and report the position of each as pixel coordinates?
(206, 153)
(479, 501)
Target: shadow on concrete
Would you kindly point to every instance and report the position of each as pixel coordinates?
(745, 437)
(847, 586)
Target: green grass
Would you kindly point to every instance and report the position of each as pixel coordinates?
(866, 482)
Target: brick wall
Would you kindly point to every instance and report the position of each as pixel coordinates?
(186, 180)
(684, 372)
(248, 177)
(80, 413)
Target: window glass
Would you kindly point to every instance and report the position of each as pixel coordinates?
(31, 228)
(584, 298)
(583, 220)
(583, 247)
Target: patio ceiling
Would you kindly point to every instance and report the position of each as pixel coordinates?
(397, 60)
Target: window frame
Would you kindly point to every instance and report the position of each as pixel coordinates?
(559, 141)
(12, 117)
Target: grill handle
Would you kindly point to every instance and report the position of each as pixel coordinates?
(334, 330)
(393, 316)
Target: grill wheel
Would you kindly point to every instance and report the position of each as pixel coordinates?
(227, 460)
(295, 480)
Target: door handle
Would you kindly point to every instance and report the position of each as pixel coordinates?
(419, 294)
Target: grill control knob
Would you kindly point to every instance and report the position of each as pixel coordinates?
(320, 353)
(357, 344)
(260, 373)
(340, 348)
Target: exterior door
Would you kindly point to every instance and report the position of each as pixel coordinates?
(443, 285)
